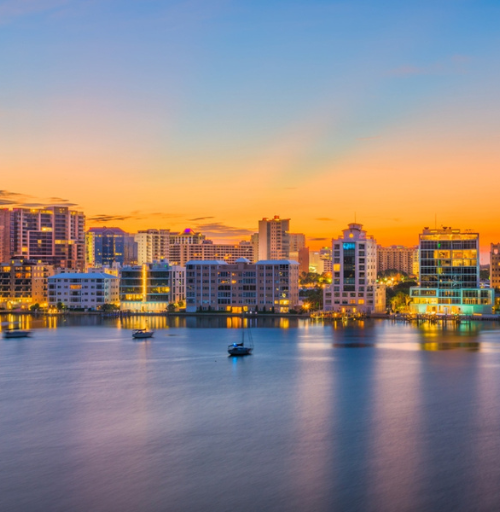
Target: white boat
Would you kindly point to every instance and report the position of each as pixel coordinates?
(140, 334)
(16, 333)
(239, 349)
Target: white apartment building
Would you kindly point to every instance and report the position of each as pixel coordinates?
(79, 290)
(274, 239)
(152, 245)
(180, 254)
(354, 281)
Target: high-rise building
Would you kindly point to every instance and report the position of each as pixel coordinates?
(254, 240)
(107, 247)
(354, 279)
(396, 257)
(270, 285)
(274, 240)
(297, 241)
(495, 266)
(449, 274)
(54, 235)
(153, 245)
(5, 245)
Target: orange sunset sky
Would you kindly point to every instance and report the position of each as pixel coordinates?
(212, 115)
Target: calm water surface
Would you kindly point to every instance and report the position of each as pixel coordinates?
(360, 417)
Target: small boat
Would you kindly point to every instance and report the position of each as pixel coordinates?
(16, 333)
(140, 334)
(239, 349)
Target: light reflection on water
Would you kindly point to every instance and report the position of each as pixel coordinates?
(407, 420)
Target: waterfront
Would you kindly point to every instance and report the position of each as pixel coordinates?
(370, 416)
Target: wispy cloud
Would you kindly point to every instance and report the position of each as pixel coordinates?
(200, 218)
(135, 215)
(103, 218)
(221, 230)
(317, 239)
(326, 219)
(12, 9)
(13, 198)
(455, 64)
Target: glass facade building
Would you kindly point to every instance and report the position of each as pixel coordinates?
(449, 274)
(108, 246)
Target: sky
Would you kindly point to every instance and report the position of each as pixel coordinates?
(212, 114)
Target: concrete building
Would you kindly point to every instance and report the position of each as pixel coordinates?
(449, 274)
(180, 254)
(53, 235)
(274, 240)
(396, 257)
(83, 291)
(151, 287)
(153, 245)
(321, 261)
(495, 266)
(354, 279)
(297, 241)
(254, 240)
(302, 256)
(5, 245)
(23, 283)
(242, 286)
(108, 247)
(188, 236)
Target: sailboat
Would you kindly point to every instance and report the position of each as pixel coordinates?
(239, 349)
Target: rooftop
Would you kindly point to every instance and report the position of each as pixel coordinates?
(82, 275)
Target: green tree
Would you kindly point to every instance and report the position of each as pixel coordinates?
(171, 308)
(35, 307)
(109, 307)
(60, 306)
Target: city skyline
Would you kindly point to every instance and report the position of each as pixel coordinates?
(175, 114)
(312, 243)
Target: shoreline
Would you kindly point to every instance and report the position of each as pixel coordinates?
(182, 314)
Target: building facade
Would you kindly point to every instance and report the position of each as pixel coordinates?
(151, 287)
(354, 278)
(153, 245)
(268, 285)
(449, 274)
(495, 266)
(297, 241)
(180, 254)
(53, 235)
(274, 239)
(188, 236)
(396, 257)
(23, 283)
(83, 291)
(254, 240)
(107, 247)
(5, 244)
